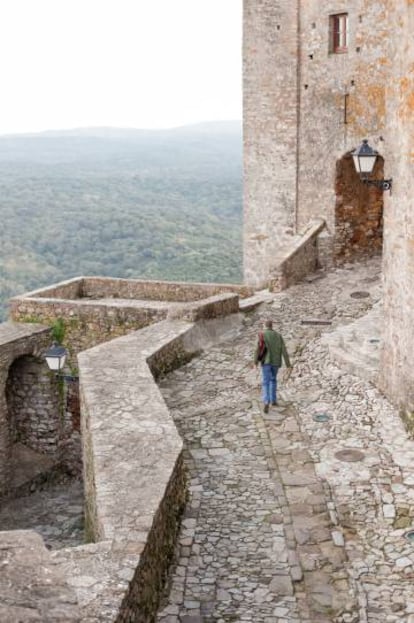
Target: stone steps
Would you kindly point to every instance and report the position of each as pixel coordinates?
(356, 347)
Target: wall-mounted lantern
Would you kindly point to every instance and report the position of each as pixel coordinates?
(55, 358)
(364, 160)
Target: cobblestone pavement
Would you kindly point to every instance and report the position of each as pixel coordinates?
(55, 512)
(279, 527)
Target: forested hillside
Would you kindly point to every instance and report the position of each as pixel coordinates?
(125, 203)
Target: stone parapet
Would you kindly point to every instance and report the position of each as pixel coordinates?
(297, 259)
(95, 310)
(133, 470)
(94, 288)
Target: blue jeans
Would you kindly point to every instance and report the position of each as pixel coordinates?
(269, 383)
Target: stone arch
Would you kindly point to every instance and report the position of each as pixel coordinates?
(33, 405)
(358, 212)
(17, 341)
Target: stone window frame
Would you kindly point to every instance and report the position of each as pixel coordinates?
(338, 33)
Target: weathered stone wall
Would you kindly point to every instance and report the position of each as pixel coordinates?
(332, 101)
(68, 290)
(16, 341)
(301, 259)
(358, 212)
(341, 96)
(304, 109)
(91, 321)
(103, 287)
(397, 359)
(133, 471)
(34, 405)
(270, 78)
(140, 289)
(38, 411)
(86, 323)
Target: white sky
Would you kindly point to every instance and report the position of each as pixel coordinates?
(123, 63)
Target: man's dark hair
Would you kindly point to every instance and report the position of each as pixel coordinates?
(269, 324)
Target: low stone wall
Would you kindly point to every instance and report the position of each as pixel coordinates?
(140, 289)
(298, 260)
(182, 291)
(85, 323)
(68, 290)
(133, 470)
(90, 322)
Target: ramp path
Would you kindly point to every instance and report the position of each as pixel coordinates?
(290, 519)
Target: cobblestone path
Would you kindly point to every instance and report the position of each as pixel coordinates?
(278, 529)
(56, 513)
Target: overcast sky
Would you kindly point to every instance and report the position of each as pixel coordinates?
(123, 63)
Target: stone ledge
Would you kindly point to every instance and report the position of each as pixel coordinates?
(356, 347)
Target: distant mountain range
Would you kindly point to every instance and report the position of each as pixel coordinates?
(120, 202)
(206, 127)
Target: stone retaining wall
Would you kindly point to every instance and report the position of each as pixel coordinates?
(299, 259)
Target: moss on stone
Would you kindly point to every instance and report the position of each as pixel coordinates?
(407, 417)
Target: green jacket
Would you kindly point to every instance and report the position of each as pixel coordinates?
(275, 349)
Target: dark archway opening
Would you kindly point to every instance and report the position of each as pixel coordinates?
(44, 490)
(32, 399)
(358, 212)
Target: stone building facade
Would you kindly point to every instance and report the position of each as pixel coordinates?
(312, 93)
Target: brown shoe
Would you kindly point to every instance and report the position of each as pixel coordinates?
(275, 403)
(266, 408)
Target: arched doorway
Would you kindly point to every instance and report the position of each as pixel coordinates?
(358, 212)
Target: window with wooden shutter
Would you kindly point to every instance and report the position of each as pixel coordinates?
(338, 26)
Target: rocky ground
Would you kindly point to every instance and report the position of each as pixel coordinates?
(55, 512)
(299, 515)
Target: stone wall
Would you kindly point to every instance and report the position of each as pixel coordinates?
(105, 287)
(133, 471)
(358, 213)
(102, 316)
(341, 96)
(39, 412)
(298, 126)
(34, 407)
(140, 289)
(300, 260)
(86, 323)
(397, 358)
(304, 109)
(270, 92)
(17, 341)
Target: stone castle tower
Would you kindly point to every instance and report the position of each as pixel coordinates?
(319, 77)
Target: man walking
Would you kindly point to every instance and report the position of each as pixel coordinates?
(272, 361)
